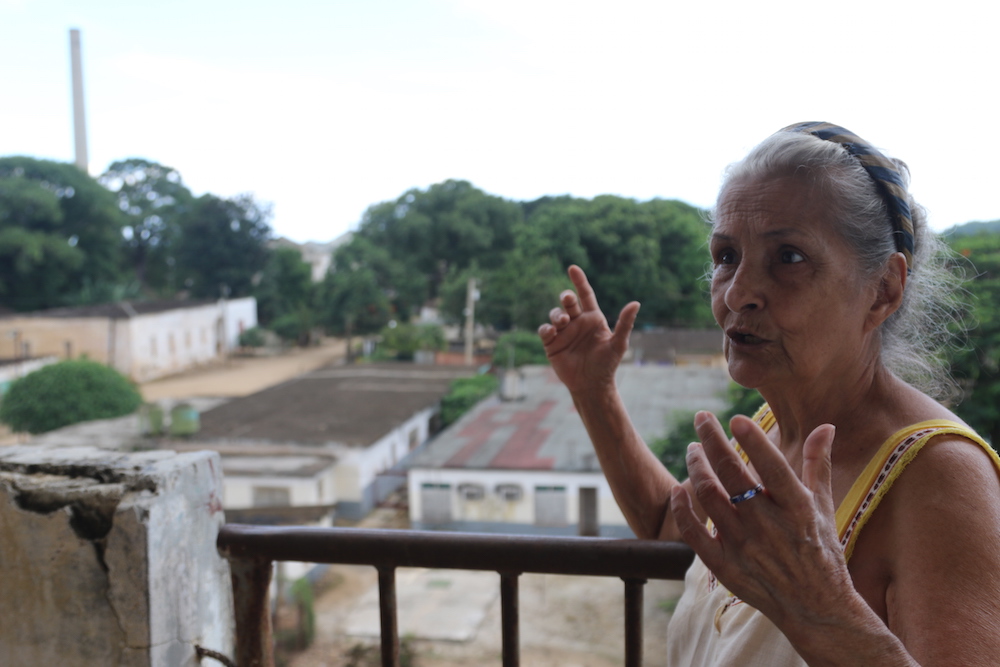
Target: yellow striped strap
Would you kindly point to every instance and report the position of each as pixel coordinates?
(885, 467)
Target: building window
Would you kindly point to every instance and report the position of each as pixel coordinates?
(435, 503)
(414, 439)
(471, 491)
(509, 492)
(187, 340)
(152, 346)
(272, 496)
(550, 506)
(170, 344)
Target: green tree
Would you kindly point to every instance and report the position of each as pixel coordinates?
(223, 245)
(285, 287)
(976, 366)
(352, 302)
(427, 244)
(425, 235)
(59, 229)
(519, 348)
(66, 393)
(403, 340)
(395, 276)
(153, 199)
(463, 394)
(653, 252)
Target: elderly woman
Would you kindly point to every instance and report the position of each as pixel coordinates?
(812, 547)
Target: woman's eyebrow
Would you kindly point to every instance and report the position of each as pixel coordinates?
(785, 231)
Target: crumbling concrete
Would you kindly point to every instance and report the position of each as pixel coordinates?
(109, 558)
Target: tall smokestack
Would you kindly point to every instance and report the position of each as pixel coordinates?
(79, 119)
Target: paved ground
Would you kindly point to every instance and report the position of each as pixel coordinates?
(452, 618)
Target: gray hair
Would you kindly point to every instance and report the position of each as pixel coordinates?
(914, 340)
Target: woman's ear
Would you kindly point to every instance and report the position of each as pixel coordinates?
(890, 291)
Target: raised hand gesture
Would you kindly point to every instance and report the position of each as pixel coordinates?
(583, 350)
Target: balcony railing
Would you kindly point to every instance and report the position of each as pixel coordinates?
(251, 550)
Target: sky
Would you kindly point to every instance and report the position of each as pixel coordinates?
(325, 107)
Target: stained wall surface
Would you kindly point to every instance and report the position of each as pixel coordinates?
(109, 558)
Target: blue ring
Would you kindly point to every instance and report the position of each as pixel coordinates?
(746, 495)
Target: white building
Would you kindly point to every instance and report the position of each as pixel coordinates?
(527, 465)
(143, 340)
(332, 437)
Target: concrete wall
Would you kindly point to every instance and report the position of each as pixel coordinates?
(303, 491)
(55, 336)
(357, 471)
(173, 340)
(110, 559)
(239, 315)
(494, 514)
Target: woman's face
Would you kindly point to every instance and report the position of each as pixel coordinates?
(786, 289)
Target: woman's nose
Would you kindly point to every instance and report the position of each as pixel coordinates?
(744, 291)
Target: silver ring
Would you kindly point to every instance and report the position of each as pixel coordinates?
(746, 495)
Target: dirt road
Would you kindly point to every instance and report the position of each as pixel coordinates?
(241, 376)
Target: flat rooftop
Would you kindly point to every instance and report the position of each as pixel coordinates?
(346, 405)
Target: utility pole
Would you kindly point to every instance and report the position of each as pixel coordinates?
(471, 296)
(79, 119)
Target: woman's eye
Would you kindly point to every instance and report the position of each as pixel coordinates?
(791, 257)
(726, 257)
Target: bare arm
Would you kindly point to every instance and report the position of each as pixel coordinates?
(942, 526)
(585, 354)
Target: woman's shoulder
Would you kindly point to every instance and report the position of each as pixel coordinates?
(948, 494)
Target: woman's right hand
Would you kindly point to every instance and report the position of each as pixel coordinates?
(583, 350)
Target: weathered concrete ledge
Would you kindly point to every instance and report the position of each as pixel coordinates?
(109, 558)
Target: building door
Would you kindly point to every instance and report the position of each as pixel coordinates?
(550, 506)
(435, 503)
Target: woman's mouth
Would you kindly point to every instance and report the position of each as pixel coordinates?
(744, 338)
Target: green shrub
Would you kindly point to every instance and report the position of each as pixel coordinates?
(403, 340)
(252, 337)
(67, 393)
(294, 327)
(463, 394)
(526, 346)
(671, 449)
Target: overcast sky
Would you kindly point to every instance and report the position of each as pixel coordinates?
(326, 107)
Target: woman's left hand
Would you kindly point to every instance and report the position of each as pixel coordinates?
(777, 550)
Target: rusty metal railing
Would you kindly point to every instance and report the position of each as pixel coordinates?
(251, 550)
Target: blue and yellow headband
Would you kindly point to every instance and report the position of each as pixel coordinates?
(882, 170)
